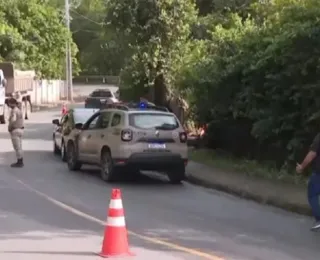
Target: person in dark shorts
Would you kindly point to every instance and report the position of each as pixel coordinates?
(313, 156)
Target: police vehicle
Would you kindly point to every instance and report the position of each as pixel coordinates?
(128, 138)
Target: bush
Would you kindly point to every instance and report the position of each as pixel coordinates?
(259, 83)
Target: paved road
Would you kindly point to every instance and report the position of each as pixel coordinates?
(168, 222)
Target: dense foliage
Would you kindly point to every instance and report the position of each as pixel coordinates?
(258, 85)
(33, 36)
(248, 68)
(157, 34)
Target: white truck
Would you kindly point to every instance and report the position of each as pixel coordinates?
(18, 84)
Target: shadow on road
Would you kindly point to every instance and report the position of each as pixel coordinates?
(25, 215)
(33, 131)
(88, 172)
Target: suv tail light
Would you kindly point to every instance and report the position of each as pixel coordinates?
(126, 135)
(183, 137)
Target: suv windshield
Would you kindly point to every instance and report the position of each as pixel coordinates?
(153, 120)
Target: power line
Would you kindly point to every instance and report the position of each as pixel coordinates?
(87, 18)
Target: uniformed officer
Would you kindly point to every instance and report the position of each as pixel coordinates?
(15, 128)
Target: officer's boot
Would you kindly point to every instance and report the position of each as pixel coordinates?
(18, 164)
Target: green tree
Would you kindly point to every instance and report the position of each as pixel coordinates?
(32, 36)
(156, 33)
(261, 77)
(99, 54)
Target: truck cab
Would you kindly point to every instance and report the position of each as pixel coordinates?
(18, 84)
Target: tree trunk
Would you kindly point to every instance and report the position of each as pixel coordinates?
(160, 93)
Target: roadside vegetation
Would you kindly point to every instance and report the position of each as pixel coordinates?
(221, 161)
(247, 69)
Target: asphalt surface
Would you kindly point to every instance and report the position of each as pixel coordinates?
(167, 221)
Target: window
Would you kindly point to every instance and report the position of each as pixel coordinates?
(153, 120)
(116, 120)
(102, 93)
(82, 116)
(93, 123)
(104, 120)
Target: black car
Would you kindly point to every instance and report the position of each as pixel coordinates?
(99, 97)
(66, 125)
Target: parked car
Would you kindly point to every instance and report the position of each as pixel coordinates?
(66, 125)
(99, 98)
(130, 138)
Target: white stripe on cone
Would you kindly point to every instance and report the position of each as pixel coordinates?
(116, 222)
(116, 204)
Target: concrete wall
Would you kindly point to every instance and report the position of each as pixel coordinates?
(54, 91)
(48, 91)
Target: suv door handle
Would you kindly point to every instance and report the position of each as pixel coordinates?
(102, 135)
(89, 136)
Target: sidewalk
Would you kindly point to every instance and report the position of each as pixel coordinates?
(288, 197)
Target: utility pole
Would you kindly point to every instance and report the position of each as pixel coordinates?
(68, 55)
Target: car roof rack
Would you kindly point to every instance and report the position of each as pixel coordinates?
(135, 106)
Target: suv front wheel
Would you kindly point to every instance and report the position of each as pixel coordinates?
(63, 152)
(177, 174)
(107, 169)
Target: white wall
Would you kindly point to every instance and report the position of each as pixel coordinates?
(47, 91)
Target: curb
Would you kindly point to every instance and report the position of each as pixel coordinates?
(276, 202)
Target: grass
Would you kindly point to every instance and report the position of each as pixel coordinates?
(243, 166)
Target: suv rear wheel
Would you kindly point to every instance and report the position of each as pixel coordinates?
(72, 158)
(177, 174)
(107, 169)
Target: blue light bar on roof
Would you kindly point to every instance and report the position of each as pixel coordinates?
(142, 105)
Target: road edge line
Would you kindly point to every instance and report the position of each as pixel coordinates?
(100, 222)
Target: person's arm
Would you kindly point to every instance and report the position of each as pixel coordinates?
(12, 119)
(312, 152)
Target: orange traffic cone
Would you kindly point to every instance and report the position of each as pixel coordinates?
(115, 241)
(64, 109)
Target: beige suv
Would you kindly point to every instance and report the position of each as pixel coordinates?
(129, 138)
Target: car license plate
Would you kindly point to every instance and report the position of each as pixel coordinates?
(157, 146)
(102, 100)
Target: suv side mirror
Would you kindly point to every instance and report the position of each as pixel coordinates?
(79, 126)
(55, 121)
